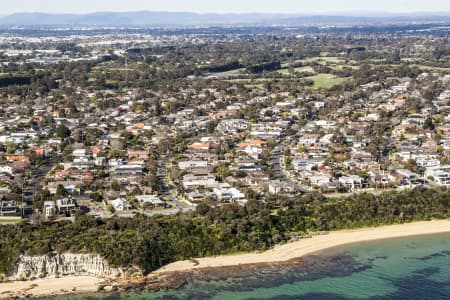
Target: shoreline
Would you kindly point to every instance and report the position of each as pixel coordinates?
(179, 273)
(307, 246)
(49, 287)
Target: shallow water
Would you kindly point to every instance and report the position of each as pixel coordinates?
(405, 268)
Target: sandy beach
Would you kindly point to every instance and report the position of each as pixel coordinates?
(49, 286)
(311, 245)
(278, 254)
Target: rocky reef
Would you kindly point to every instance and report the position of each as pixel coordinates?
(246, 276)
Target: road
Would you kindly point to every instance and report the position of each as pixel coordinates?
(279, 171)
(275, 161)
(31, 189)
(167, 186)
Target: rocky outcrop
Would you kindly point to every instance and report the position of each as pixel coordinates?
(29, 267)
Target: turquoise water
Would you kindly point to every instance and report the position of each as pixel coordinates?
(407, 268)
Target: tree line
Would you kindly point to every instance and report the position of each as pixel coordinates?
(151, 242)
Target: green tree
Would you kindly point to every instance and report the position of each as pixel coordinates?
(60, 191)
(428, 124)
(62, 131)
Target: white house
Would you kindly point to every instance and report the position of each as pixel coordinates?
(351, 182)
(308, 140)
(202, 180)
(120, 204)
(232, 194)
(49, 209)
(439, 174)
(306, 164)
(189, 164)
(152, 199)
(6, 169)
(325, 124)
(319, 180)
(79, 153)
(277, 186)
(427, 162)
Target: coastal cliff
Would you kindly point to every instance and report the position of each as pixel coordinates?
(29, 267)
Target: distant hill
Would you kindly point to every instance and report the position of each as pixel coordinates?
(186, 18)
(134, 18)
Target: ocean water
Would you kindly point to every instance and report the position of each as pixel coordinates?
(406, 268)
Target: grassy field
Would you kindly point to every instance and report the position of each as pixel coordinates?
(335, 63)
(321, 81)
(423, 67)
(341, 67)
(376, 60)
(297, 70)
(326, 60)
(410, 59)
(10, 220)
(254, 86)
(114, 66)
(326, 81)
(236, 71)
(250, 84)
(248, 81)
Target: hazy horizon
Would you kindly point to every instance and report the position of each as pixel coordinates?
(342, 7)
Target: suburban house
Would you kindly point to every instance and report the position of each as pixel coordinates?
(307, 164)
(199, 180)
(199, 146)
(8, 207)
(189, 164)
(65, 205)
(439, 174)
(49, 209)
(226, 194)
(351, 182)
(151, 200)
(141, 154)
(120, 204)
(278, 186)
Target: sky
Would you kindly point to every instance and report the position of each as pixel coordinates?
(226, 6)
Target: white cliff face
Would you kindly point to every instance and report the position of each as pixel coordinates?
(30, 267)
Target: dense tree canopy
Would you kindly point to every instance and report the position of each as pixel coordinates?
(150, 243)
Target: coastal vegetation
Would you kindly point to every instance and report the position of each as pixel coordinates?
(151, 242)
